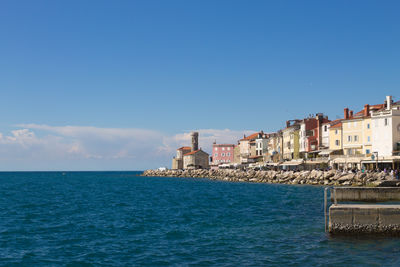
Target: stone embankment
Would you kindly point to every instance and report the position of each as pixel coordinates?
(314, 177)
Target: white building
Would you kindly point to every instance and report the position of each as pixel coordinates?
(261, 146)
(386, 129)
(303, 138)
(325, 134)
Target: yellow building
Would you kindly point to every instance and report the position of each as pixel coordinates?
(274, 147)
(336, 136)
(296, 144)
(367, 147)
(357, 132)
(291, 142)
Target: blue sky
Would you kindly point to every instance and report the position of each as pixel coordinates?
(144, 73)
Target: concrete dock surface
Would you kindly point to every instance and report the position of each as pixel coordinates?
(364, 218)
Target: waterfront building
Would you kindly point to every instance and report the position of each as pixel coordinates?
(261, 146)
(197, 159)
(356, 137)
(223, 154)
(191, 157)
(236, 154)
(314, 135)
(177, 162)
(306, 134)
(336, 136)
(290, 136)
(385, 125)
(357, 132)
(274, 142)
(325, 135)
(248, 148)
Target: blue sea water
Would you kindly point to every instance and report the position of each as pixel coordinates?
(118, 218)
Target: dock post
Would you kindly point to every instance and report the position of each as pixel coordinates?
(325, 207)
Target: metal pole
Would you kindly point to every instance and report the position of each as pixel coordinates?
(325, 206)
(334, 196)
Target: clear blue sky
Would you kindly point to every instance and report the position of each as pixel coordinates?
(172, 66)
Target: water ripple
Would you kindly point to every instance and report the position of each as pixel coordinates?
(117, 218)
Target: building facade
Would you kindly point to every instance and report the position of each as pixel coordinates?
(248, 148)
(191, 157)
(336, 136)
(197, 159)
(290, 134)
(177, 162)
(223, 154)
(385, 124)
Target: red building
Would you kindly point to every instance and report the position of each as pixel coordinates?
(222, 154)
(311, 133)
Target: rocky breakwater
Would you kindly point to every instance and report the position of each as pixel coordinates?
(314, 177)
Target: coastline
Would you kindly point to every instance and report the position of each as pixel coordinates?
(314, 177)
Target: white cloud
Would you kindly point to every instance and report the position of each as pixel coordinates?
(70, 147)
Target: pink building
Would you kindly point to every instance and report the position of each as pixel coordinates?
(222, 154)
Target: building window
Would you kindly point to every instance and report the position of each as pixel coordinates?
(367, 151)
(229, 161)
(216, 155)
(369, 138)
(355, 124)
(349, 138)
(368, 126)
(229, 148)
(223, 148)
(326, 128)
(336, 131)
(386, 122)
(228, 154)
(355, 138)
(223, 154)
(337, 142)
(216, 149)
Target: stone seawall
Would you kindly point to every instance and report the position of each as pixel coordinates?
(313, 177)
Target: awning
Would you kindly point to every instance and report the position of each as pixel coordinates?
(315, 162)
(326, 152)
(379, 161)
(291, 163)
(347, 160)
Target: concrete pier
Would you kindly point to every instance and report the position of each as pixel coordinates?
(364, 219)
(368, 218)
(366, 194)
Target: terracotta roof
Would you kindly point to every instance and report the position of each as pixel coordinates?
(360, 114)
(332, 123)
(250, 137)
(379, 106)
(191, 153)
(185, 148)
(337, 125)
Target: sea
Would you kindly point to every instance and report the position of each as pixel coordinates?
(122, 219)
